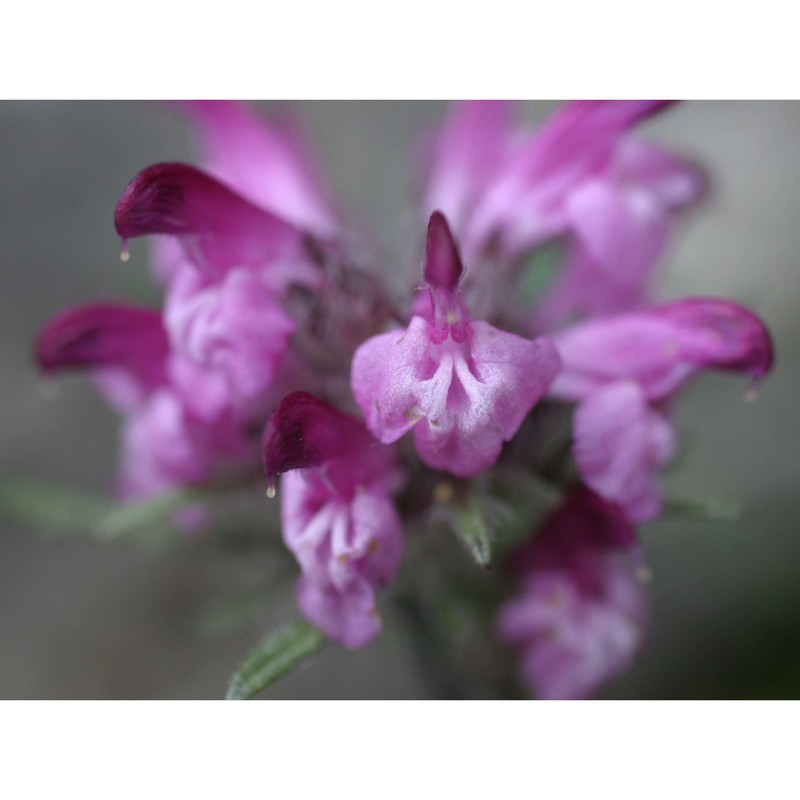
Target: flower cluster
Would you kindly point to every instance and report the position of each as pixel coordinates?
(278, 349)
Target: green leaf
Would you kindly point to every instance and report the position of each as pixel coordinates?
(472, 529)
(276, 656)
(154, 516)
(52, 508)
(709, 510)
(58, 511)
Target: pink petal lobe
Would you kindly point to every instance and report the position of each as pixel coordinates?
(624, 233)
(462, 400)
(488, 397)
(386, 373)
(620, 443)
(346, 535)
(234, 325)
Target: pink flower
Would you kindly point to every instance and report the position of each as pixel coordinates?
(234, 327)
(338, 518)
(622, 370)
(581, 176)
(170, 437)
(620, 220)
(463, 386)
(581, 615)
(225, 287)
(546, 186)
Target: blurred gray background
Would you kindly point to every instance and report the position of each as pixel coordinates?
(80, 620)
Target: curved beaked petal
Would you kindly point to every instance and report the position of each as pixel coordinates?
(266, 162)
(620, 442)
(222, 229)
(305, 431)
(661, 347)
(113, 340)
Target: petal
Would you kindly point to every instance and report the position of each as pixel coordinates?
(385, 378)
(265, 162)
(721, 334)
(305, 431)
(525, 204)
(582, 612)
(485, 401)
(584, 523)
(578, 656)
(162, 450)
(675, 181)
(443, 268)
(469, 151)
(585, 289)
(661, 347)
(620, 443)
(234, 326)
(347, 615)
(623, 232)
(125, 346)
(223, 229)
(462, 408)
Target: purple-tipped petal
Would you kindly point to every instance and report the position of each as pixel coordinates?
(346, 535)
(125, 347)
(305, 431)
(620, 444)
(266, 162)
(662, 347)
(724, 335)
(443, 268)
(226, 230)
